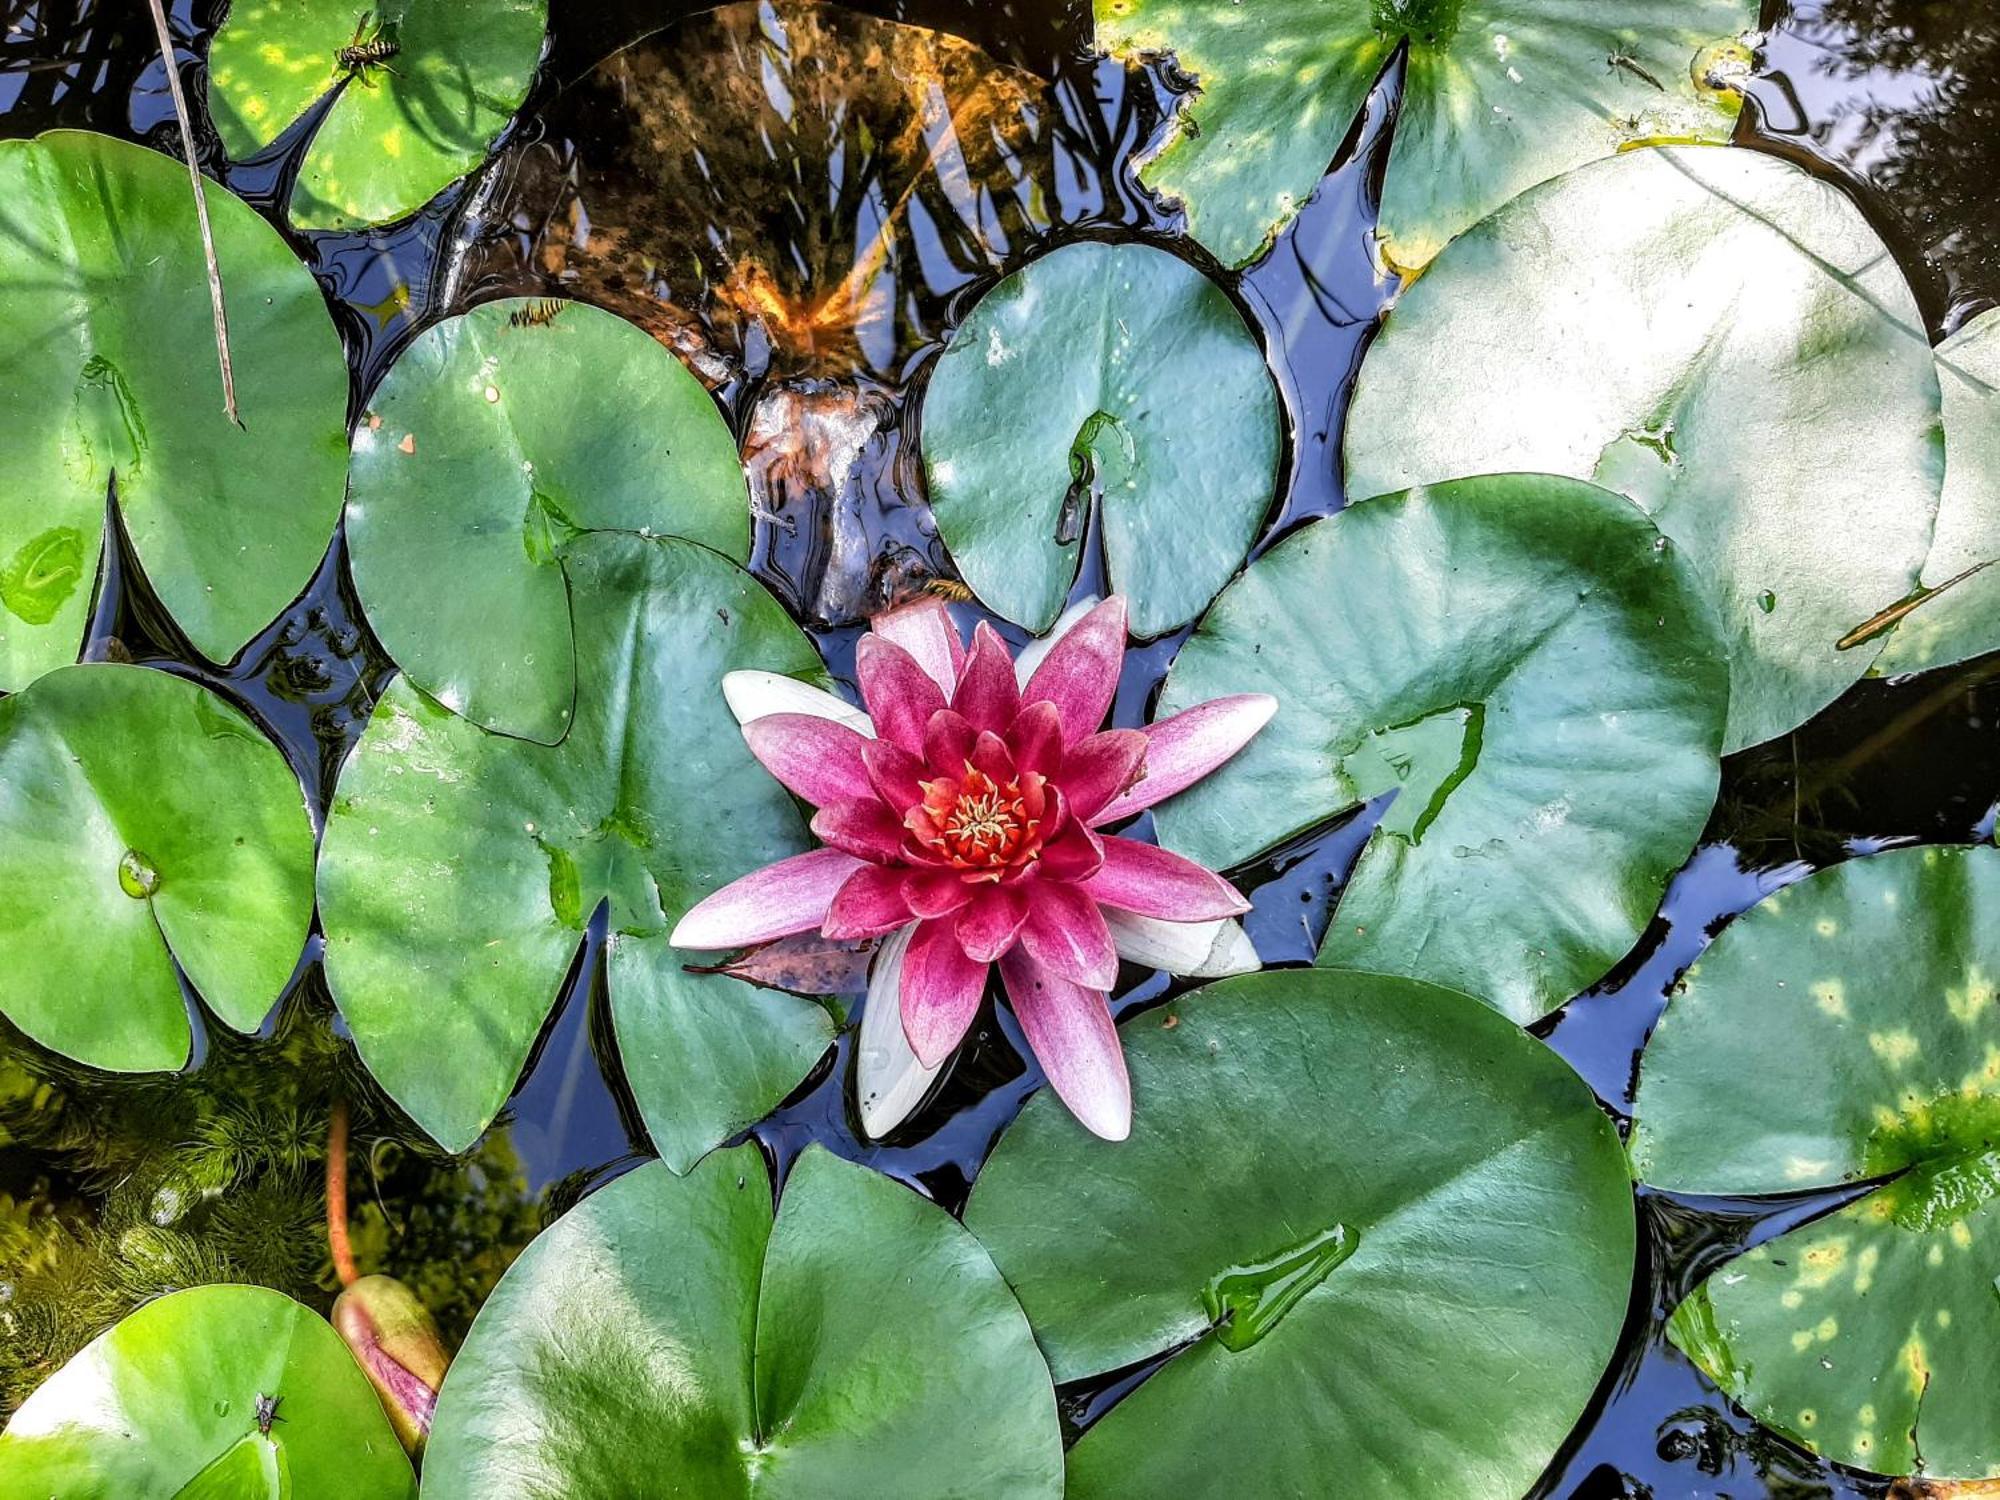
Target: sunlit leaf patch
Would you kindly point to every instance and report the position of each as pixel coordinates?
(860, 1346)
(1528, 665)
(1410, 1275)
(147, 830)
(215, 1393)
(1868, 996)
(108, 372)
(1717, 334)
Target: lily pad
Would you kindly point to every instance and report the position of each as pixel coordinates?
(1720, 336)
(1396, 1229)
(460, 868)
(1070, 384)
(495, 438)
(108, 370)
(166, 1404)
(668, 1337)
(432, 86)
(145, 826)
(1961, 621)
(1499, 95)
(1532, 671)
(1867, 995)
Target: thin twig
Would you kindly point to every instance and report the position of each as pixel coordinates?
(200, 213)
(336, 1194)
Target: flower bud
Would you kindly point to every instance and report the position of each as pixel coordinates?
(395, 1341)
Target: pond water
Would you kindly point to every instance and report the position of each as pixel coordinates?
(112, 1192)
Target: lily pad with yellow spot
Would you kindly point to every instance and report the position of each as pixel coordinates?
(1868, 996)
(426, 86)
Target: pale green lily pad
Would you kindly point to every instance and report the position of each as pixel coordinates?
(402, 129)
(460, 867)
(1532, 670)
(1499, 95)
(1867, 996)
(165, 1405)
(1411, 1218)
(108, 368)
(1717, 334)
(1114, 369)
(1963, 621)
(494, 438)
(144, 822)
(668, 1338)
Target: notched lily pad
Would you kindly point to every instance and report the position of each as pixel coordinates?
(1397, 1230)
(1722, 337)
(1869, 995)
(1957, 613)
(167, 1404)
(460, 867)
(108, 371)
(145, 825)
(495, 439)
(426, 86)
(1109, 376)
(862, 1347)
(1529, 667)
(1499, 95)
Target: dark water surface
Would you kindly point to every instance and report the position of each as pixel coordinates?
(107, 1191)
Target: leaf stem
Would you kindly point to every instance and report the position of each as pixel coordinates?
(200, 212)
(336, 1195)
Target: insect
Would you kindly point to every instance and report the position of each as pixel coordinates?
(357, 57)
(948, 589)
(267, 1413)
(537, 314)
(1631, 65)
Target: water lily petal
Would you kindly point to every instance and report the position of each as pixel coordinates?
(991, 757)
(1097, 768)
(988, 695)
(1066, 934)
(1193, 950)
(1155, 883)
(1032, 653)
(889, 1081)
(1036, 738)
(754, 695)
(948, 742)
(935, 893)
(893, 773)
(900, 695)
(1069, 1030)
(991, 920)
(868, 904)
(1080, 673)
(942, 987)
(1073, 854)
(819, 759)
(863, 827)
(924, 629)
(776, 901)
(1184, 748)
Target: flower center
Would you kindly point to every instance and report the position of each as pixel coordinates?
(980, 823)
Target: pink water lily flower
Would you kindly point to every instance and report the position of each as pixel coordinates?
(961, 817)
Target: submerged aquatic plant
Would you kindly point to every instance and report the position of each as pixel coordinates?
(961, 814)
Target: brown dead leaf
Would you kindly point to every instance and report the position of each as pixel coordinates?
(804, 965)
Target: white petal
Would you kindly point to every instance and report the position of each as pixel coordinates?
(752, 695)
(1032, 653)
(889, 1082)
(1193, 950)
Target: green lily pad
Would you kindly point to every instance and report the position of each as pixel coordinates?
(460, 868)
(1867, 995)
(1499, 95)
(108, 369)
(1072, 379)
(1529, 667)
(1720, 336)
(494, 438)
(144, 823)
(404, 126)
(668, 1338)
(1397, 1230)
(166, 1404)
(1963, 621)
